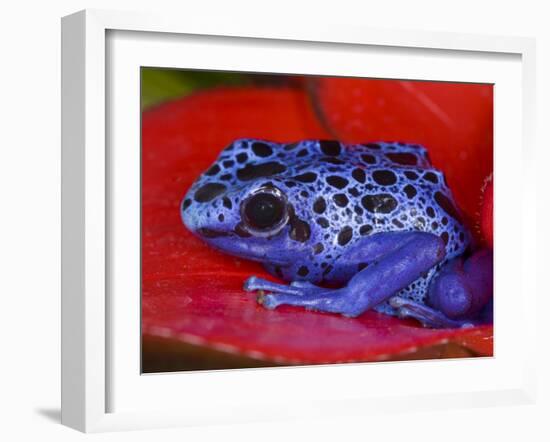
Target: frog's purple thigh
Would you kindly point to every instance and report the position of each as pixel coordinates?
(458, 294)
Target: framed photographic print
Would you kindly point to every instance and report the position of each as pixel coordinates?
(265, 222)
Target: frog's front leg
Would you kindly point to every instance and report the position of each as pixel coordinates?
(405, 257)
(457, 296)
(297, 288)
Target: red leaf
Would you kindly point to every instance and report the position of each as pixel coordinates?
(453, 120)
(193, 294)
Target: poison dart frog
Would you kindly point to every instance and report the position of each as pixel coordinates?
(350, 227)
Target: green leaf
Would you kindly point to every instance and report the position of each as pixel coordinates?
(159, 84)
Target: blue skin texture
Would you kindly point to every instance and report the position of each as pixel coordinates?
(350, 227)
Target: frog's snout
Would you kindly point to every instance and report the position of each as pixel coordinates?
(188, 216)
(200, 222)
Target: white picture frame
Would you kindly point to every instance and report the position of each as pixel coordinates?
(92, 368)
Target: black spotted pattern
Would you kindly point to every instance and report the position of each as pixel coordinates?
(384, 177)
(338, 196)
(308, 177)
(365, 229)
(337, 181)
(262, 149)
(320, 205)
(213, 170)
(410, 191)
(330, 147)
(380, 203)
(407, 159)
(345, 235)
(208, 192)
(359, 175)
(261, 170)
(368, 158)
(340, 199)
(430, 176)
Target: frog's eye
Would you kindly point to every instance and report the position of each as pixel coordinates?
(264, 212)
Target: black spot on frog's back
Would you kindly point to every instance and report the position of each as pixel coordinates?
(410, 191)
(319, 206)
(330, 147)
(354, 192)
(374, 146)
(359, 175)
(227, 203)
(368, 159)
(365, 229)
(308, 177)
(242, 157)
(379, 203)
(262, 149)
(318, 248)
(432, 177)
(403, 158)
(340, 199)
(411, 175)
(384, 177)
(344, 235)
(208, 192)
(299, 229)
(213, 170)
(254, 171)
(337, 181)
(323, 222)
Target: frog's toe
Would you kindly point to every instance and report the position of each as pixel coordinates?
(250, 284)
(268, 301)
(254, 283)
(273, 300)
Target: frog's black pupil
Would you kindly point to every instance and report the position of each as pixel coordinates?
(264, 210)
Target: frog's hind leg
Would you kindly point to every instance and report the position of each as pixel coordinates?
(403, 261)
(458, 295)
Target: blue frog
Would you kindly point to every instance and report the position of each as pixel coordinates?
(351, 227)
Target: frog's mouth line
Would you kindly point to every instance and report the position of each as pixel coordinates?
(211, 233)
(247, 253)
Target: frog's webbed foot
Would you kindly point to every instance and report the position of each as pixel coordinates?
(428, 316)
